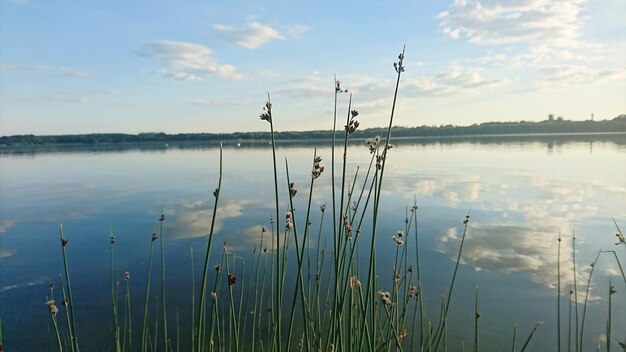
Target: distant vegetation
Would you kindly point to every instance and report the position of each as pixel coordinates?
(617, 124)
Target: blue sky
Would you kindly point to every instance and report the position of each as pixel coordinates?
(206, 66)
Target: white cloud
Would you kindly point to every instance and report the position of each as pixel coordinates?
(62, 71)
(69, 72)
(256, 34)
(196, 219)
(5, 225)
(69, 98)
(510, 21)
(187, 61)
(5, 253)
(223, 102)
(539, 30)
(455, 80)
(563, 76)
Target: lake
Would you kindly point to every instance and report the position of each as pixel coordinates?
(521, 193)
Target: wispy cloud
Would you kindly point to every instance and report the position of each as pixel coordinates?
(68, 72)
(540, 30)
(61, 71)
(223, 102)
(256, 34)
(564, 76)
(505, 22)
(187, 61)
(17, 2)
(196, 219)
(456, 80)
(5, 225)
(69, 98)
(5, 253)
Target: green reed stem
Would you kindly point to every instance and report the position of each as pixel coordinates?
(608, 318)
(56, 333)
(582, 322)
(371, 285)
(193, 301)
(2, 346)
(442, 322)
(234, 330)
(530, 336)
(514, 337)
(129, 316)
(256, 311)
(476, 319)
(558, 296)
(144, 329)
(163, 305)
(202, 296)
(114, 299)
(575, 294)
(279, 281)
(70, 303)
(67, 311)
(177, 331)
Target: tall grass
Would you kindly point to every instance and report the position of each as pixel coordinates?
(333, 297)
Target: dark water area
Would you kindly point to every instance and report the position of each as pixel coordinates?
(521, 192)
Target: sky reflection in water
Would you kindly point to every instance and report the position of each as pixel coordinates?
(520, 194)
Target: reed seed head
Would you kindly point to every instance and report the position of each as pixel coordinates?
(385, 297)
(338, 87)
(52, 307)
(292, 190)
(232, 279)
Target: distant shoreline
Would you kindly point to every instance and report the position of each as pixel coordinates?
(550, 139)
(615, 126)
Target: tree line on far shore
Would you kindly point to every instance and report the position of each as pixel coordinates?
(618, 124)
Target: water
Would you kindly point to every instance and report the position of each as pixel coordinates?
(521, 193)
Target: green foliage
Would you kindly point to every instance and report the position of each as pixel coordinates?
(618, 124)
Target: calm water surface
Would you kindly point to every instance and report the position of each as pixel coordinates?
(521, 194)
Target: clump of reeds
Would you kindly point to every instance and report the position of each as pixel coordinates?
(332, 298)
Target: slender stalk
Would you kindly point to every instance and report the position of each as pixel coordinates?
(267, 116)
(128, 314)
(582, 321)
(442, 322)
(575, 294)
(476, 318)
(558, 296)
(371, 285)
(144, 329)
(114, 300)
(530, 336)
(514, 337)
(177, 331)
(193, 301)
(163, 305)
(2, 346)
(70, 303)
(202, 296)
(608, 317)
(67, 311)
(233, 319)
(569, 320)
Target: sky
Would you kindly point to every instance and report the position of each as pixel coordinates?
(69, 67)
